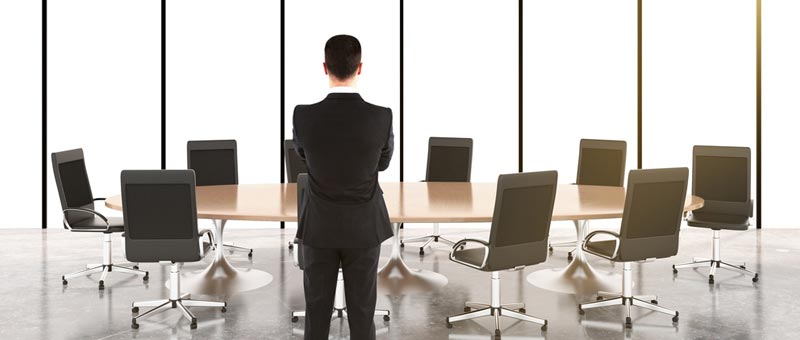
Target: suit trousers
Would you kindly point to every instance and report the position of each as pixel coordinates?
(360, 270)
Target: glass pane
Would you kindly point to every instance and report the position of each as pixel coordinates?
(223, 82)
(699, 85)
(104, 93)
(780, 109)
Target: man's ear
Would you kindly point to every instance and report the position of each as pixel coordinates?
(325, 67)
(359, 68)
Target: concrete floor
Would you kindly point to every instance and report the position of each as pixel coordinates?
(37, 306)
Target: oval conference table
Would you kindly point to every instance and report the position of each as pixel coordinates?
(411, 202)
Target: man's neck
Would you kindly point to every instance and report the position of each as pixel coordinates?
(333, 82)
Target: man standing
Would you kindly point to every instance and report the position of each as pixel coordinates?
(345, 141)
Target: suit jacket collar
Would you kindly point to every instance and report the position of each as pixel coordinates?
(341, 95)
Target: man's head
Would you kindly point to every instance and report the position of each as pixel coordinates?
(342, 58)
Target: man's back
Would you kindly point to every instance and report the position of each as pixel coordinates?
(345, 142)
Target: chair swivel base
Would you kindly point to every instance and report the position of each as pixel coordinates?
(435, 237)
(511, 310)
(713, 265)
(646, 302)
(181, 304)
(104, 269)
(232, 248)
(715, 262)
(427, 240)
(340, 313)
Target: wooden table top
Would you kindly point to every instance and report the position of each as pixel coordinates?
(407, 202)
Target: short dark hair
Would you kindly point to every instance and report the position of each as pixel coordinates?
(342, 55)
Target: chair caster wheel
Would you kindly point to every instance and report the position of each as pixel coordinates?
(674, 270)
(467, 309)
(135, 310)
(655, 302)
(134, 325)
(599, 298)
(63, 281)
(136, 267)
(146, 277)
(193, 325)
(421, 252)
(550, 249)
(522, 310)
(291, 246)
(710, 279)
(294, 319)
(544, 327)
(402, 245)
(449, 325)
(101, 285)
(250, 254)
(569, 256)
(224, 309)
(755, 278)
(497, 333)
(386, 318)
(675, 318)
(628, 322)
(581, 311)
(742, 266)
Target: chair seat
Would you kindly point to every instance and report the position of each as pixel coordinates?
(472, 256)
(718, 221)
(603, 248)
(117, 225)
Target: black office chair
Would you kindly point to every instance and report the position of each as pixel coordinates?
(160, 215)
(721, 176)
(449, 160)
(651, 222)
(523, 209)
(600, 162)
(294, 166)
(215, 163)
(79, 214)
(339, 308)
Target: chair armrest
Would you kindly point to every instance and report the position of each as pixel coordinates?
(87, 211)
(296, 252)
(595, 233)
(462, 242)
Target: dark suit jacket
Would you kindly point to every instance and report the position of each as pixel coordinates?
(345, 141)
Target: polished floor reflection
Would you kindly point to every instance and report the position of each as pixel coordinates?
(37, 306)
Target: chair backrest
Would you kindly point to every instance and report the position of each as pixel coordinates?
(160, 215)
(214, 161)
(602, 162)
(654, 204)
(302, 184)
(523, 209)
(449, 160)
(721, 176)
(294, 164)
(72, 183)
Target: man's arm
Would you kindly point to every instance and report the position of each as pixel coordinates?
(387, 150)
(298, 146)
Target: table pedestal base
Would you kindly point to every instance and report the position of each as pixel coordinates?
(220, 277)
(397, 278)
(578, 277)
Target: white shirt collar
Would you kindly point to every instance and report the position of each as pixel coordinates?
(343, 89)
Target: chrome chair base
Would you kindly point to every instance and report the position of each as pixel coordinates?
(473, 310)
(435, 237)
(176, 300)
(627, 299)
(105, 267)
(715, 262)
